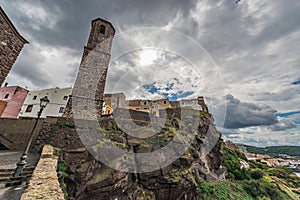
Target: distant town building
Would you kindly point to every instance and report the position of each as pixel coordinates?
(11, 101)
(58, 101)
(141, 105)
(192, 103)
(116, 100)
(11, 44)
(159, 104)
(106, 109)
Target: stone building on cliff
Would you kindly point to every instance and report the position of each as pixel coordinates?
(11, 44)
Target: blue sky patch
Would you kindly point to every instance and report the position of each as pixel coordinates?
(169, 87)
(297, 122)
(287, 114)
(296, 82)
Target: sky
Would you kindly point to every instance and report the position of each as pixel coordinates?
(242, 56)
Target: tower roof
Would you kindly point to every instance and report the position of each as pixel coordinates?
(100, 19)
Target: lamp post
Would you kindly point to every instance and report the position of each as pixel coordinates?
(17, 179)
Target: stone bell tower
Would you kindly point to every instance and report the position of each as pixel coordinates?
(87, 95)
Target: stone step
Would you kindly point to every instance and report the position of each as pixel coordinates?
(4, 179)
(28, 168)
(6, 174)
(25, 173)
(7, 170)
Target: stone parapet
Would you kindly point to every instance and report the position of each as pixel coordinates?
(44, 182)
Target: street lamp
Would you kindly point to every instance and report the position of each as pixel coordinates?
(17, 179)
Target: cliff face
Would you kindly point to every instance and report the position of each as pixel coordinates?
(87, 178)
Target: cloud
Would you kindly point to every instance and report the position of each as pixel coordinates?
(262, 136)
(240, 115)
(283, 124)
(41, 66)
(249, 50)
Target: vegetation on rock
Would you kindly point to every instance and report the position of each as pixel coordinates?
(258, 182)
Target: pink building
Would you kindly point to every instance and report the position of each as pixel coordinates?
(14, 96)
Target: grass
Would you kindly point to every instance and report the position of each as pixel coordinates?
(223, 191)
(258, 182)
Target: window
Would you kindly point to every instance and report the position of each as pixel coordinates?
(61, 110)
(29, 108)
(6, 96)
(145, 103)
(165, 102)
(34, 97)
(108, 112)
(102, 31)
(65, 97)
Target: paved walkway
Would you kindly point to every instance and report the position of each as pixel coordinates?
(8, 160)
(11, 193)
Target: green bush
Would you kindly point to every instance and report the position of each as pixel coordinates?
(256, 174)
(231, 162)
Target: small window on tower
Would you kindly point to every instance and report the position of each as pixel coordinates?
(65, 97)
(34, 97)
(102, 31)
(6, 96)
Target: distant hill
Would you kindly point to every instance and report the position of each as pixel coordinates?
(274, 151)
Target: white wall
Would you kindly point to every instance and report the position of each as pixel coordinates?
(56, 97)
(193, 103)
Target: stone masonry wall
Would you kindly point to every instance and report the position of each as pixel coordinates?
(87, 178)
(15, 133)
(44, 182)
(87, 95)
(11, 44)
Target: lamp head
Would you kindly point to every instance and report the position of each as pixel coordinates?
(44, 101)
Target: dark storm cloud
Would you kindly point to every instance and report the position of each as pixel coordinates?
(30, 69)
(285, 20)
(283, 95)
(240, 115)
(284, 124)
(73, 17)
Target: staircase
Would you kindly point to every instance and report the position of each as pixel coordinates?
(26, 174)
(5, 175)
(8, 160)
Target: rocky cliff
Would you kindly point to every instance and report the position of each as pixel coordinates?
(88, 178)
